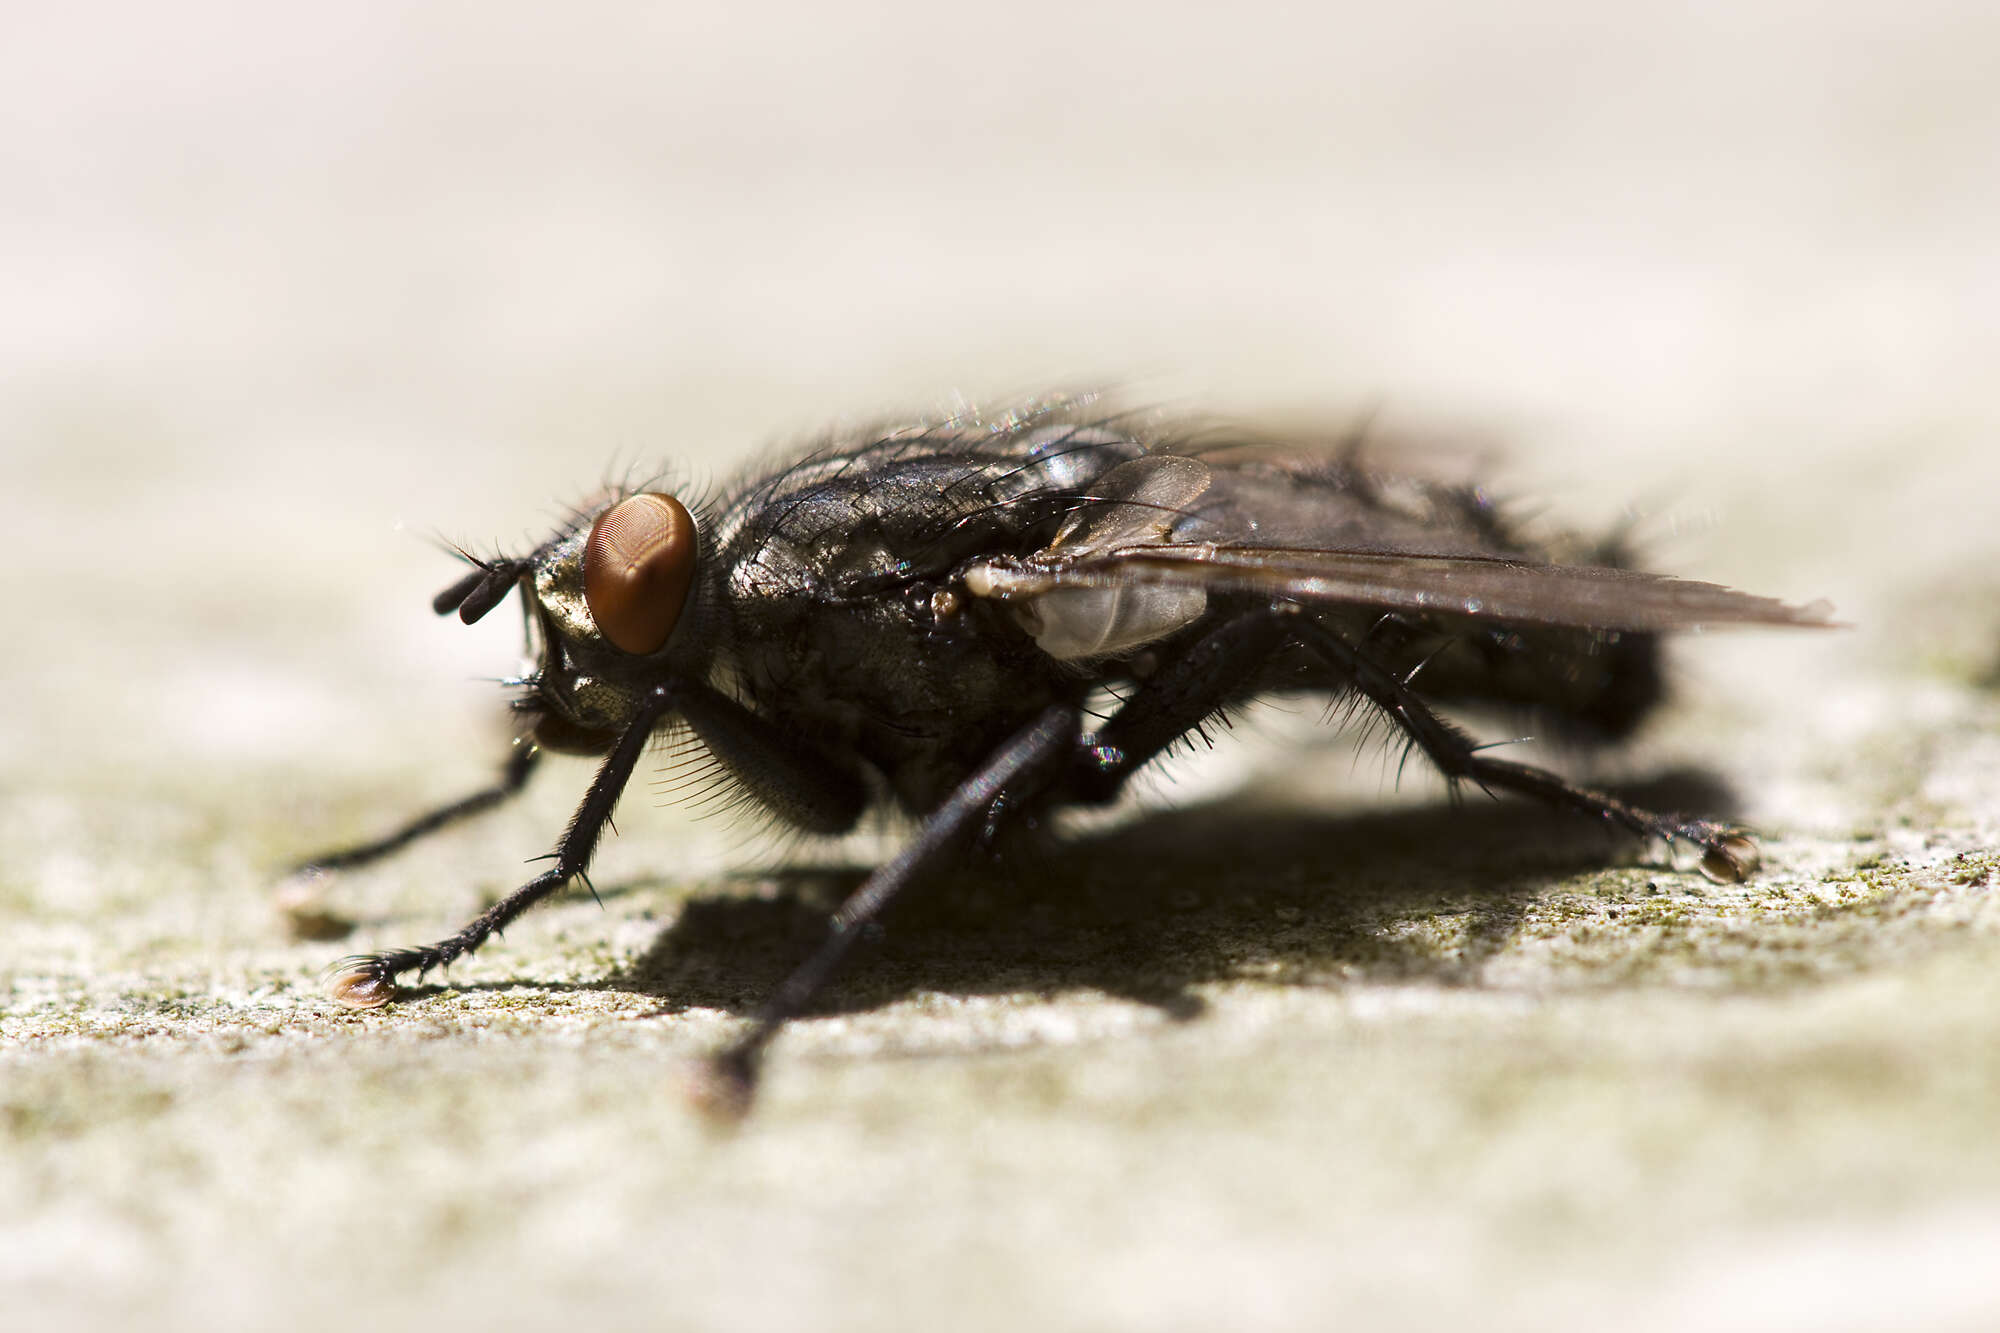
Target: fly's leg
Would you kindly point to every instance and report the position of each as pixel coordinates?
(786, 774)
(1187, 688)
(514, 776)
(1022, 767)
(367, 981)
(1212, 670)
(1728, 853)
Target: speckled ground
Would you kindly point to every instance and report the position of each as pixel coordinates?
(1285, 1046)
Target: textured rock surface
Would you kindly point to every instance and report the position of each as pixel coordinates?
(1307, 1046)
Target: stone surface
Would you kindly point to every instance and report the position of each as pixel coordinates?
(1288, 1044)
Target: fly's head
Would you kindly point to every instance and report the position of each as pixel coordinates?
(608, 602)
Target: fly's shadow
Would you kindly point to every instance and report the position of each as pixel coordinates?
(1156, 908)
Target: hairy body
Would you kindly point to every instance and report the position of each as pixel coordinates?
(924, 615)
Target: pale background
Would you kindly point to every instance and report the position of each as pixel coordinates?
(287, 291)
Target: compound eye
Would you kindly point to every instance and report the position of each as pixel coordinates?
(637, 566)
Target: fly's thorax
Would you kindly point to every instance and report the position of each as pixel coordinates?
(906, 508)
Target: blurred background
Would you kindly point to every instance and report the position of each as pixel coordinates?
(288, 293)
(279, 280)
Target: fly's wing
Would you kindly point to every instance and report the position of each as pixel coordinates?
(1137, 505)
(1482, 587)
(1160, 533)
(1141, 502)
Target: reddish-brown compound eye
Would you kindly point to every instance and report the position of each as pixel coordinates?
(637, 566)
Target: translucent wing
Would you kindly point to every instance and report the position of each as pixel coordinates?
(1484, 587)
(1157, 535)
(1138, 505)
(1144, 501)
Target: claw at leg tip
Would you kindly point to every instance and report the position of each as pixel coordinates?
(359, 983)
(1731, 860)
(721, 1088)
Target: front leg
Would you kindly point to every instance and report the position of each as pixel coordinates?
(368, 981)
(785, 774)
(514, 776)
(795, 781)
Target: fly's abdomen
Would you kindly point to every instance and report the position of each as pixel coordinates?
(1588, 685)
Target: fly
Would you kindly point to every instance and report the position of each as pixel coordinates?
(921, 616)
